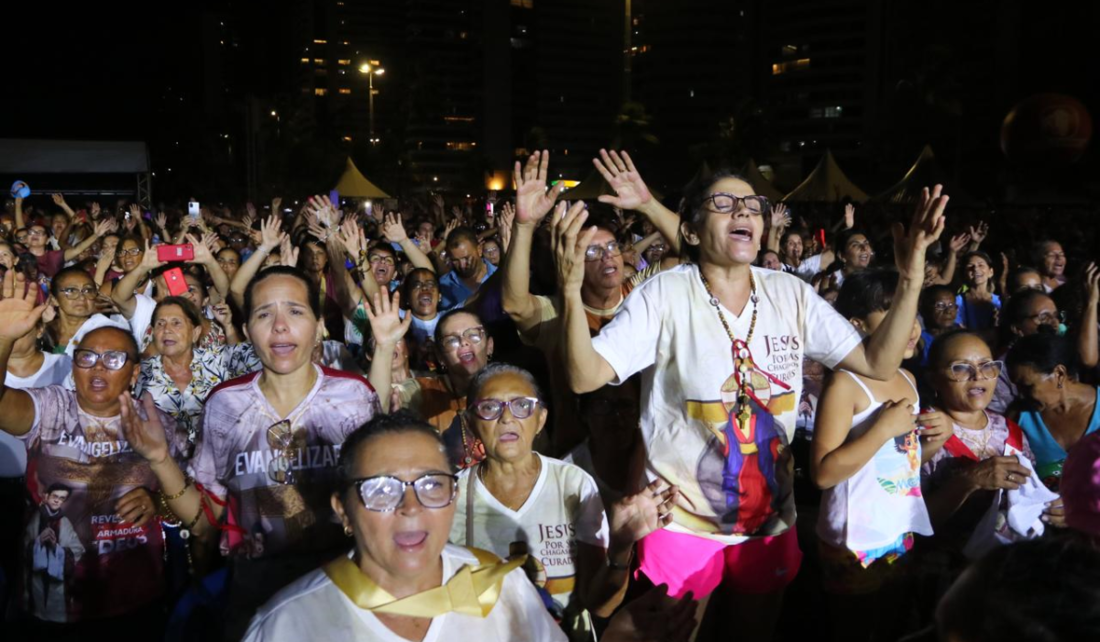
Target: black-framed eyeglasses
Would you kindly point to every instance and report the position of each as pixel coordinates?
(597, 252)
(520, 407)
(474, 335)
(724, 203)
(984, 371)
(75, 293)
(134, 251)
(112, 359)
(384, 493)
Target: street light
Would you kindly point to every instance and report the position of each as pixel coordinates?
(371, 69)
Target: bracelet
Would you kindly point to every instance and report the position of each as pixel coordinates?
(198, 516)
(186, 484)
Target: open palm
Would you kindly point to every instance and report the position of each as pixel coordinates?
(18, 313)
(620, 173)
(638, 515)
(533, 202)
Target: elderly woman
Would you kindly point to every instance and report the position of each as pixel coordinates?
(397, 501)
(517, 500)
(1059, 409)
(959, 481)
(269, 442)
(93, 510)
(181, 375)
(719, 345)
(1051, 260)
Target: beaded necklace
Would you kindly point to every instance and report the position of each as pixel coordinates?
(743, 363)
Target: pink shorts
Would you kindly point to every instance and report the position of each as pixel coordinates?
(697, 564)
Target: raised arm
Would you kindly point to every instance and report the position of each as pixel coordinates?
(101, 228)
(1087, 340)
(18, 316)
(587, 369)
(394, 232)
(884, 350)
(270, 236)
(387, 328)
(533, 202)
(123, 292)
(19, 222)
(205, 258)
(631, 193)
(958, 243)
(781, 220)
(977, 235)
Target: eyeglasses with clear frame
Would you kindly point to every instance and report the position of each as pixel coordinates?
(492, 409)
(385, 493)
(964, 371)
(597, 252)
(75, 293)
(112, 359)
(725, 203)
(474, 335)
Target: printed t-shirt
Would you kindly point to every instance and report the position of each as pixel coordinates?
(563, 508)
(98, 567)
(235, 451)
(669, 332)
(313, 608)
(13, 454)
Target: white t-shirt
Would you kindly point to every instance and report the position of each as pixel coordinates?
(313, 608)
(669, 332)
(809, 267)
(563, 508)
(13, 453)
(144, 306)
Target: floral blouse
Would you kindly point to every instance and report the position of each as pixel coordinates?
(210, 366)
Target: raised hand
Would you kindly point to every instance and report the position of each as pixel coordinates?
(393, 230)
(781, 216)
(507, 217)
(634, 517)
(58, 200)
(250, 210)
(533, 202)
(142, 427)
(200, 250)
(161, 221)
(150, 261)
(223, 314)
(620, 173)
(323, 210)
(959, 242)
(275, 203)
(351, 238)
(319, 231)
(103, 228)
(271, 232)
(924, 229)
(18, 313)
(849, 216)
(288, 254)
(386, 324)
(979, 232)
(569, 244)
(451, 225)
(1092, 284)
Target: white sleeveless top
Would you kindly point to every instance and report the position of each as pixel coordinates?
(871, 510)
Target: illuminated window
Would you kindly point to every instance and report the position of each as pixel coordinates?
(320, 42)
(320, 91)
(524, 4)
(458, 119)
(305, 61)
(318, 61)
(791, 65)
(347, 139)
(345, 90)
(460, 146)
(343, 61)
(790, 50)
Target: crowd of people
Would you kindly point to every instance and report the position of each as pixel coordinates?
(545, 420)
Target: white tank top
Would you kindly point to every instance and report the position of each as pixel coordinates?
(882, 501)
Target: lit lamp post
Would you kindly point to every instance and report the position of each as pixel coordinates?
(371, 69)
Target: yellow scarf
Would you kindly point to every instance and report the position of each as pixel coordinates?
(471, 591)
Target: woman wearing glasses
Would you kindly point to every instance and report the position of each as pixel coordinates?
(464, 348)
(1059, 408)
(720, 345)
(78, 300)
(517, 501)
(270, 440)
(396, 499)
(75, 442)
(982, 455)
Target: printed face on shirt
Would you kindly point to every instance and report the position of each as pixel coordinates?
(405, 542)
(605, 272)
(973, 394)
(80, 306)
(468, 356)
(98, 388)
(732, 237)
(282, 327)
(173, 332)
(508, 438)
(465, 258)
(55, 500)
